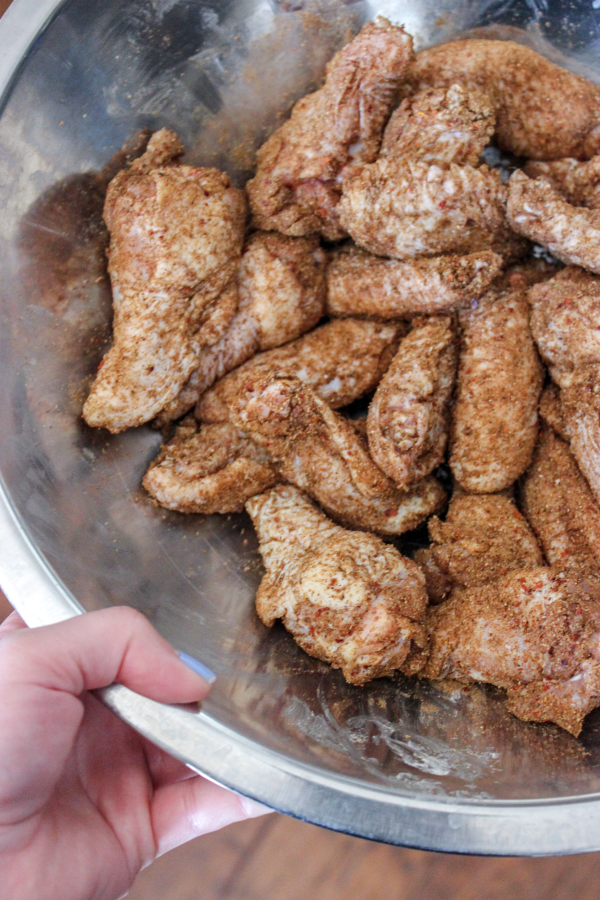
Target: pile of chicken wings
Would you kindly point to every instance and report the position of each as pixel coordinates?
(375, 255)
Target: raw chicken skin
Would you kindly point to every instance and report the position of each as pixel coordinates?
(176, 236)
(347, 598)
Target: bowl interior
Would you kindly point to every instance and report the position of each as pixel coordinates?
(221, 73)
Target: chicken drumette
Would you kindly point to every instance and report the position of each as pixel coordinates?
(176, 238)
(494, 427)
(322, 453)
(347, 598)
(279, 293)
(535, 633)
(359, 284)
(542, 111)
(302, 166)
(341, 361)
(409, 415)
(483, 537)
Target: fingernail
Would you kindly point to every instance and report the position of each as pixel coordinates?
(198, 667)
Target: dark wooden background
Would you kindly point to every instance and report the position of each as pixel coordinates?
(276, 858)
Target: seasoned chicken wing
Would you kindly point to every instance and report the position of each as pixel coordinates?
(580, 410)
(409, 416)
(574, 414)
(534, 633)
(346, 597)
(405, 209)
(537, 211)
(500, 378)
(214, 470)
(359, 284)
(550, 411)
(280, 289)
(577, 182)
(565, 322)
(561, 508)
(323, 454)
(441, 126)
(341, 361)
(542, 111)
(483, 537)
(302, 166)
(176, 238)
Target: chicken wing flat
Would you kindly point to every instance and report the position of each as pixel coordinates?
(565, 322)
(577, 182)
(359, 284)
(320, 452)
(346, 597)
(542, 111)
(494, 427)
(537, 211)
(560, 507)
(341, 361)
(213, 471)
(302, 166)
(280, 288)
(483, 537)
(441, 126)
(534, 633)
(409, 416)
(176, 238)
(405, 209)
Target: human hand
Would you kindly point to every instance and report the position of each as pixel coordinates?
(85, 801)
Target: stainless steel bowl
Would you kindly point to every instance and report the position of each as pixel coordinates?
(396, 761)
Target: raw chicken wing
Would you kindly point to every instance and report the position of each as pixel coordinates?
(176, 238)
(302, 166)
(483, 537)
(213, 471)
(565, 322)
(341, 361)
(347, 598)
(441, 126)
(542, 111)
(405, 209)
(280, 287)
(577, 182)
(560, 507)
(534, 633)
(537, 211)
(322, 453)
(409, 416)
(359, 284)
(500, 377)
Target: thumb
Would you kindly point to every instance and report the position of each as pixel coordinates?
(97, 649)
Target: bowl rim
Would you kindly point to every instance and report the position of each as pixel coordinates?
(547, 826)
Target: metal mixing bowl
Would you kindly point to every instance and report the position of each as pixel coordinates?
(396, 761)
